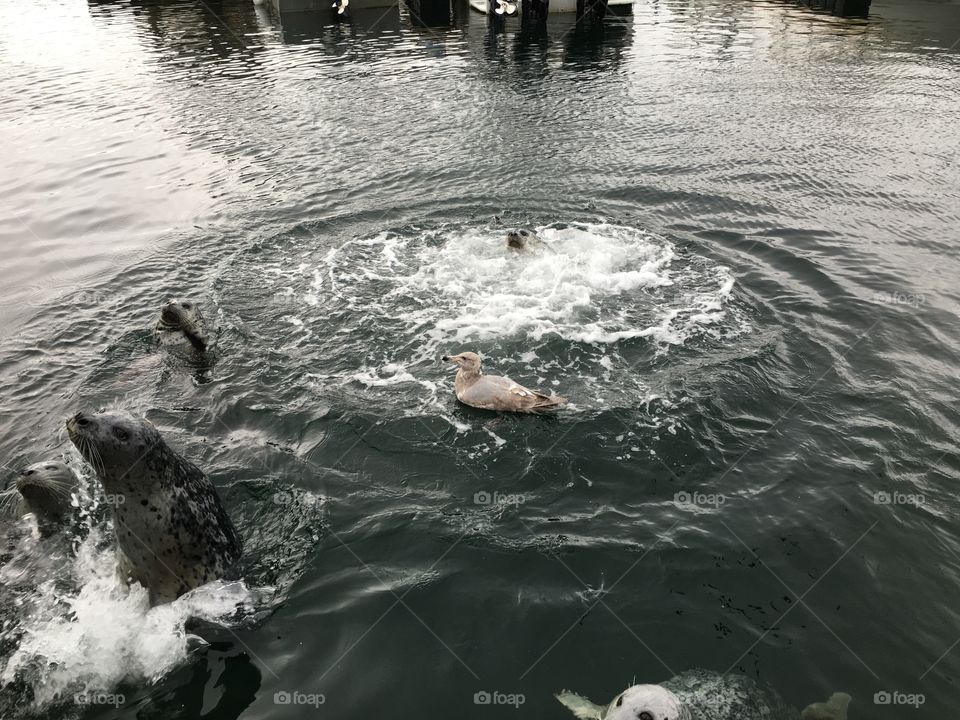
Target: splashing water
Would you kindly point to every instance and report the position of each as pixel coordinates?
(373, 315)
(91, 640)
(588, 283)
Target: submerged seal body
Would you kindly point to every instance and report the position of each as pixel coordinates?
(493, 392)
(172, 532)
(181, 323)
(45, 489)
(703, 695)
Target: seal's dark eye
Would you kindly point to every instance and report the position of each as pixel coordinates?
(29, 472)
(187, 306)
(644, 716)
(620, 701)
(50, 467)
(120, 433)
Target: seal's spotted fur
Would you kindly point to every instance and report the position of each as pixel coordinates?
(181, 324)
(172, 532)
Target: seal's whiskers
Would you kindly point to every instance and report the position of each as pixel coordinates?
(9, 498)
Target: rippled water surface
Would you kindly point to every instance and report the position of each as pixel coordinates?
(748, 292)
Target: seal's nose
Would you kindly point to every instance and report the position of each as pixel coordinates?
(169, 313)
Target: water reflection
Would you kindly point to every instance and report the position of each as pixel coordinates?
(220, 28)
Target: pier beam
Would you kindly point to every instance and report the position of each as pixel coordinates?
(844, 8)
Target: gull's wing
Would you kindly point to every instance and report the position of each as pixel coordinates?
(494, 392)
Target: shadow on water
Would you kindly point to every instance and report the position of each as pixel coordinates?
(220, 683)
(217, 27)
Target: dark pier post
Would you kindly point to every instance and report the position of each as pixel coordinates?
(844, 8)
(856, 8)
(534, 11)
(497, 22)
(430, 13)
(596, 9)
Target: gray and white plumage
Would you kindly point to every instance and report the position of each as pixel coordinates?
(496, 392)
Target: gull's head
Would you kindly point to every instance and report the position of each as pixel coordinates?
(468, 361)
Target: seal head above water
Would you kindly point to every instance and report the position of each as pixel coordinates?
(520, 239)
(172, 532)
(703, 695)
(181, 322)
(640, 702)
(45, 489)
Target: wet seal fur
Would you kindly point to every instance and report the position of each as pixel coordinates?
(524, 240)
(45, 489)
(172, 532)
(703, 695)
(181, 323)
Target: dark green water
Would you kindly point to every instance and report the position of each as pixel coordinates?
(753, 299)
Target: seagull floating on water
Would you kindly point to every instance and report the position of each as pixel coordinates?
(494, 392)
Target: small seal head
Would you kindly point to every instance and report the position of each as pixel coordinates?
(183, 319)
(45, 489)
(518, 239)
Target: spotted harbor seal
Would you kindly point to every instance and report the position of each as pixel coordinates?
(703, 695)
(181, 323)
(45, 489)
(172, 532)
(493, 392)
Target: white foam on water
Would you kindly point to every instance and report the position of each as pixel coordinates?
(592, 283)
(91, 639)
(416, 294)
(492, 291)
(389, 374)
